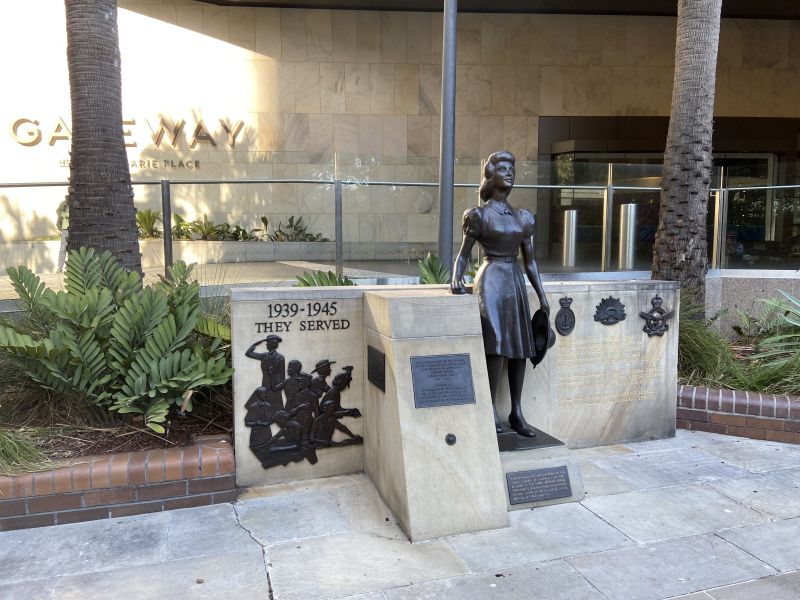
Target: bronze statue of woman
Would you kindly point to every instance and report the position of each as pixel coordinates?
(502, 230)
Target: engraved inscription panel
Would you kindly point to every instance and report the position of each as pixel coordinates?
(620, 373)
(442, 380)
(376, 368)
(538, 484)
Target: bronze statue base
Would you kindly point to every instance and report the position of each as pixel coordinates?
(511, 441)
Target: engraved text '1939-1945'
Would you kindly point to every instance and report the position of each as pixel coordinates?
(291, 317)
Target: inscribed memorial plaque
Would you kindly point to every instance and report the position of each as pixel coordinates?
(538, 484)
(376, 368)
(442, 380)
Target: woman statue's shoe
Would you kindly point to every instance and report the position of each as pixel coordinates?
(519, 425)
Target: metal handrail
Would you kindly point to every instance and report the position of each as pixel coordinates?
(337, 183)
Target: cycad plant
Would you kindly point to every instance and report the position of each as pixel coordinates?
(321, 278)
(432, 271)
(108, 342)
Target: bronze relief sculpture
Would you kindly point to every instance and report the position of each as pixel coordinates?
(502, 231)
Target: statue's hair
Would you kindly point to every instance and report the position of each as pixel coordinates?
(487, 185)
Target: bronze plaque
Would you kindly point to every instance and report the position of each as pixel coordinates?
(538, 484)
(376, 368)
(442, 380)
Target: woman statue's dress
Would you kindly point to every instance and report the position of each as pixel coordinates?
(500, 283)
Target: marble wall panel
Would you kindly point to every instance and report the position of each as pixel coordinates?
(430, 89)
(515, 136)
(662, 42)
(319, 35)
(368, 36)
(356, 88)
(320, 138)
(242, 28)
(345, 38)
(731, 44)
(418, 35)
(491, 135)
(468, 137)
(393, 37)
(503, 89)
(468, 42)
(406, 89)
(794, 44)
(637, 41)
(590, 40)
(295, 132)
(268, 32)
(281, 88)
(370, 135)
(419, 136)
(614, 43)
(270, 132)
(307, 87)
(293, 35)
(479, 90)
(189, 17)
(551, 92)
(766, 44)
(215, 22)
(381, 89)
(543, 31)
(395, 138)
(332, 78)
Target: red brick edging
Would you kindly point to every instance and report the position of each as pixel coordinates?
(741, 413)
(117, 485)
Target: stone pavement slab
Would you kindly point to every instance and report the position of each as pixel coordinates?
(239, 575)
(778, 587)
(344, 504)
(777, 544)
(544, 581)
(41, 589)
(538, 535)
(776, 493)
(665, 569)
(211, 531)
(365, 561)
(673, 512)
(756, 456)
(82, 547)
(670, 466)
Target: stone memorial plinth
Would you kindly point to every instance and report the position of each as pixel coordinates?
(606, 383)
(430, 446)
(314, 325)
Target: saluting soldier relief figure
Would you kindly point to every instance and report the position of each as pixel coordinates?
(273, 370)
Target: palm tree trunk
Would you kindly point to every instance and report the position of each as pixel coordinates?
(100, 197)
(680, 253)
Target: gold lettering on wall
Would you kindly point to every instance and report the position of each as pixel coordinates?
(29, 136)
(201, 134)
(163, 127)
(61, 132)
(232, 131)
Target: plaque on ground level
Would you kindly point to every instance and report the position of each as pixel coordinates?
(376, 368)
(538, 484)
(442, 380)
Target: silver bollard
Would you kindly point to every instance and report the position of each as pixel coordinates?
(627, 237)
(570, 238)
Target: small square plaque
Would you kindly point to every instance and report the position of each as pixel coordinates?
(538, 484)
(442, 380)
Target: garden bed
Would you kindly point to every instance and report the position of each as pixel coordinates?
(740, 413)
(116, 485)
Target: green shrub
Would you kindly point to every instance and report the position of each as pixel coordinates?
(294, 231)
(432, 271)
(321, 278)
(108, 342)
(147, 222)
(182, 229)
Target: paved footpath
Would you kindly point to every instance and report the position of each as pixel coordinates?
(700, 516)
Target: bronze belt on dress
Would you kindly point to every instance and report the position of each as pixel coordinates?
(506, 259)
